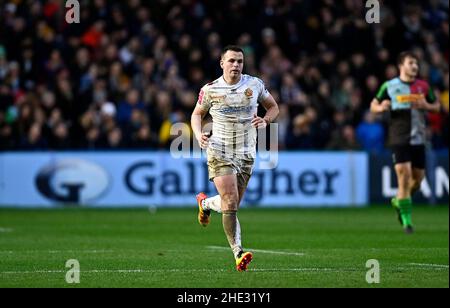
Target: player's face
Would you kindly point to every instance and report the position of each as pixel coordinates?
(232, 64)
(410, 66)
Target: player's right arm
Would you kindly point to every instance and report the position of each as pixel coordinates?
(379, 107)
(201, 109)
(381, 103)
(196, 123)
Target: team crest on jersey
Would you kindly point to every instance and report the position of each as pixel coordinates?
(248, 92)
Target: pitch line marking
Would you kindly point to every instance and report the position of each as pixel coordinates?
(429, 265)
(306, 269)
(298, 254)
(129, 271)
(54, 251)
(134, 271)
(138, 271)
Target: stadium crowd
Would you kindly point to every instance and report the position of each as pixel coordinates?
(130, 69)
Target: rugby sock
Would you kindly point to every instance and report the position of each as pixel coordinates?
(405, 206)
(232, 230)
(394, 202)
(213, 203)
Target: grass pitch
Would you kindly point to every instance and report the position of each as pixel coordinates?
(292, 248)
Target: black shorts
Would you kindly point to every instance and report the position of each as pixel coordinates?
(409, 153)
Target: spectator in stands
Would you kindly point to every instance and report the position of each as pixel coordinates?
(300, 137)
(370, 134)
(344, 139)
(151, 56)
(33, 140)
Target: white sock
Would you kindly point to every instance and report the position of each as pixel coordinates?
(232, 229)
(237, 247)
(213, 203)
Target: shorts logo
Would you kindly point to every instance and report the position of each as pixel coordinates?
(248, 93)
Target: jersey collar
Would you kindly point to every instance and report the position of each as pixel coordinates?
(233, 85)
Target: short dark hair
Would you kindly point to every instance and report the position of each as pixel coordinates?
(232, 48)
(406, 54)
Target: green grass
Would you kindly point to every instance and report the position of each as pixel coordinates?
(134, 248)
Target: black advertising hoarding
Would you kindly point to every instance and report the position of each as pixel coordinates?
(434, 189)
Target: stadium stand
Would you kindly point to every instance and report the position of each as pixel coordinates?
(129, 69)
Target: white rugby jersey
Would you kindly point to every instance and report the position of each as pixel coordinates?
(232, 108)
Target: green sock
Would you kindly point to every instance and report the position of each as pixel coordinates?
(405, 206)
(394, 202)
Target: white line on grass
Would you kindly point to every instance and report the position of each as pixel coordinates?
(80, 251)
(208, 270)
(128, 271)
(6, 230)
(54, 251)
(298, 254)
(429, 265)
(137, 271)
(306, 269)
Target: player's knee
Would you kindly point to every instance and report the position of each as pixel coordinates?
(403, 171)
(229, 202)
(404, 174)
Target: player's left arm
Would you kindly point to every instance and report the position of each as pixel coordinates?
(428, 103)
(272, 111)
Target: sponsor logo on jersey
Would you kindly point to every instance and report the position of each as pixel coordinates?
(409, 98)
(218, 97)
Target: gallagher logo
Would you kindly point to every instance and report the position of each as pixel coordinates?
(72, 181)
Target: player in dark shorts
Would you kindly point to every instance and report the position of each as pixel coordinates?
(408, 99)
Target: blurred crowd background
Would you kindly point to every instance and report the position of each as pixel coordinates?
(130, 69)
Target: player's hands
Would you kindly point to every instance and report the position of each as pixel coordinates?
(385, 105)
(421, 103)
(203, 141)
(258, 122)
